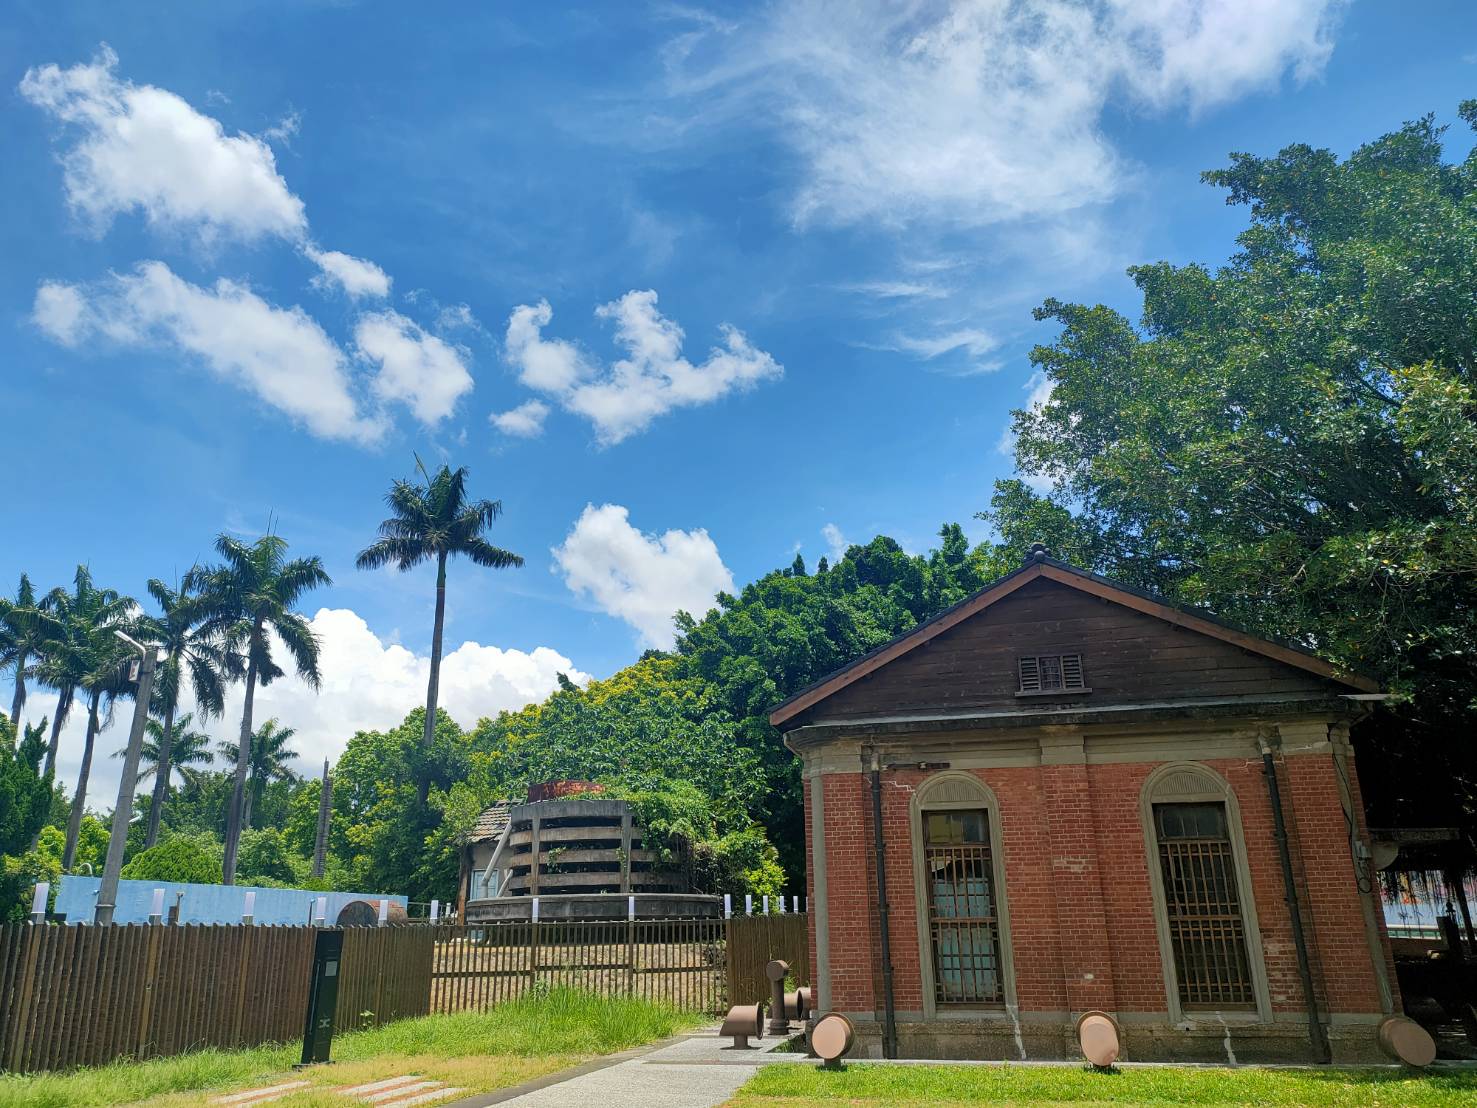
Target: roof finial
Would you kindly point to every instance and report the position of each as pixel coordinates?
(1037, 553)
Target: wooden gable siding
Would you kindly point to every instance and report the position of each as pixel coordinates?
(1127, 657)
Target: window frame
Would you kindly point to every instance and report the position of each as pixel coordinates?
(1197, 783)
(956, 790)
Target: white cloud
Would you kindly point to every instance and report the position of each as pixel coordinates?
(144, 148)
(1038, 388)
(526, 421)
(984, 111)
(416, 367)
(368, 684)
(971, 340)
(549, 365)
(652, 379)
(358, 277)
(280, 354)
(897, 290)
(835, 540)
(60, 311)
(642, 579)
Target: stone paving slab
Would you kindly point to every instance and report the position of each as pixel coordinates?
(696, 1071)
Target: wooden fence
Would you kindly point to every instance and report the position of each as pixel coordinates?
(82, 995)
(72, 996)
(753, 942)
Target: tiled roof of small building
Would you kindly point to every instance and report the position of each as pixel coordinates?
(491, 823)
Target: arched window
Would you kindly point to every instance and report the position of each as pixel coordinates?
(1207, 928)
(963, 936)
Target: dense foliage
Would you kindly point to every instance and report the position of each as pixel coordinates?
(1291, 440)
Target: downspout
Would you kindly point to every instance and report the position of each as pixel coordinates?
(889, 1013)
(1316, 1035)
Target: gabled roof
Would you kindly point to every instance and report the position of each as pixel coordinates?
(1039, 565)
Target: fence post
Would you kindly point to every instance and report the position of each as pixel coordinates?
(748, 904)
(727, 905)
(533, 937)
(151, 979)
(32, 938)
(630, 946)
(248, 910)
(38, 901)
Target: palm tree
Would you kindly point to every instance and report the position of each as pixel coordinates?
(87, 655)
(184, 750)
(187, 649)
(269, 761)
(433, 523)
(248, 599)
(24, 628)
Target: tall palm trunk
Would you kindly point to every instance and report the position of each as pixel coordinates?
(19, 699)
(243, 763)
(79, 800)
(63, 707)
(161, 779)
(433, 686)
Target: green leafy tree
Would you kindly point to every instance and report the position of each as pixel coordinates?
(265, 857)
(249, 600)
(435, 522)
(1290, 439)
(270, 760)
(191, 858)
(189, 650)
(25, 800)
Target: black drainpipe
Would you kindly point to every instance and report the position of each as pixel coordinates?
(889, 1015)
(1316, 1033)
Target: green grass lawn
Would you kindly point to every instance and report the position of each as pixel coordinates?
(514, 1042)
(794, 1086)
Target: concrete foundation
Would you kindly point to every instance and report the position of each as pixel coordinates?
(1142, 1041)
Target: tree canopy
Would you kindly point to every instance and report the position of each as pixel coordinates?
(1290, 438)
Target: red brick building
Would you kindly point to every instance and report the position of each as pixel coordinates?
(1076, 815)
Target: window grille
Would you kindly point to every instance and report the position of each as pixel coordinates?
(962, 926)
(1052, 673)
(1206, 928)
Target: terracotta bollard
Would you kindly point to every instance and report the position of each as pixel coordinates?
(1098, 1035)
(1407, 1041)
(831, 1038)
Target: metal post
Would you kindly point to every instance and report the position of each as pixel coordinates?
(38, 901)
(1316, 1033)
(156, 908)
(727, 905)
(320, 912)
(435, 909)
(248, 910)
(384, 919)
(748, 904)
(107, 896)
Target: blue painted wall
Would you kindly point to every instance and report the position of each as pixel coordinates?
(77, 899)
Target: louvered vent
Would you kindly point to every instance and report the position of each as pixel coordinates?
(1052, 673)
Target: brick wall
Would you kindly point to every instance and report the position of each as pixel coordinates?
(1078, 889)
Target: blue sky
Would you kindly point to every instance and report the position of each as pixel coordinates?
(687, 288)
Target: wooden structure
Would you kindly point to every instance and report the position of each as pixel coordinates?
(1063, 795)
(74, 996)
(582, 858)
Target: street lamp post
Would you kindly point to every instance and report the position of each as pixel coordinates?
(107, 895)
